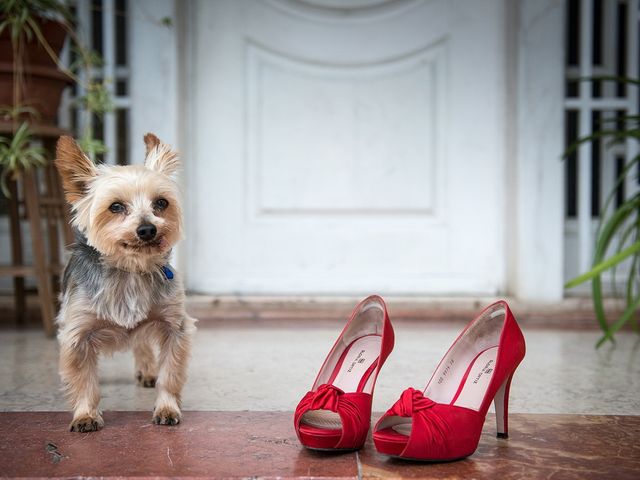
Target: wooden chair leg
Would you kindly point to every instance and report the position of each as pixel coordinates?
(43, 278)
(55, 192)
(16, 253)
(67, 229)
(52, 220)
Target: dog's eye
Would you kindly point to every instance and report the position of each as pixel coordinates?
(116, 207)
(160, 204)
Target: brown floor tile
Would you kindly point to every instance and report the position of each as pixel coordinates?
(540, 446)
(205, 444)
(262, 444)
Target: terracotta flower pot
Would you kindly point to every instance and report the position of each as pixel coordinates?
(41, 90)
(43, 82)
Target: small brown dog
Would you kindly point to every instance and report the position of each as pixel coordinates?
(118, 289)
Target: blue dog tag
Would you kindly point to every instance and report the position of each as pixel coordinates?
(167, 272)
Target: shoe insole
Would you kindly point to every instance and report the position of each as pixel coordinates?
(477, 381)
(474, 385)
(356, 362)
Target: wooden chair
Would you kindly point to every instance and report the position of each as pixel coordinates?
(36, 196)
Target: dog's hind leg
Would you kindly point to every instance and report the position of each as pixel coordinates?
(145, 361)
(175, 348)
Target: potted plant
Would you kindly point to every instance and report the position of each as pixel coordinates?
(32, 78)
(618, 234)
(32, 34)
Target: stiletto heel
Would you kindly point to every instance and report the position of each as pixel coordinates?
(444, 422)
(336, 413)
(501, 403)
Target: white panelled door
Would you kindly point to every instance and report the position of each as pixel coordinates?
(345, 146)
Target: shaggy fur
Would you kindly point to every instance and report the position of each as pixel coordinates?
(116, 290)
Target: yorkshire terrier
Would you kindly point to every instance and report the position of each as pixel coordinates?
(118, 289)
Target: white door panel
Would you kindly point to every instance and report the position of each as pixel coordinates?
(345, 147)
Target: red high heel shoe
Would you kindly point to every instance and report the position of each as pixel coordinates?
(444, 423)
(336, 413)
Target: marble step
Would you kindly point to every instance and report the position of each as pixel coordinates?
(263, 444)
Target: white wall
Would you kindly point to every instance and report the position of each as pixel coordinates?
(284, 204)
(533, 137)
(535, 210)
(534, 82)
(154, 73)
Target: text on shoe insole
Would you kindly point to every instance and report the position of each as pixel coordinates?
(360, 356)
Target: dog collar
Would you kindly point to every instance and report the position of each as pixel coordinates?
(168, 273)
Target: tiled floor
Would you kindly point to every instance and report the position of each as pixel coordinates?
(269, 366)
(262, 444)
(576, 408)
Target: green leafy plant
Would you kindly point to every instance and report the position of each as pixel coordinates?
(18, 154)
(618, 233)
(21, 19)
(19, 16)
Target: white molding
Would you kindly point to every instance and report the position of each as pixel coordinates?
(536, 225)
(447, 285)
(109, 54)
(260, 62)
(585, 241)
(345, 11)
(597, 104)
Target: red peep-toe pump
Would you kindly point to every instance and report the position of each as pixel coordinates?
(445, 421)
(336, 413)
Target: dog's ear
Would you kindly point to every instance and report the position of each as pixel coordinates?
(75, 168)
(160, 157)
(151, 141)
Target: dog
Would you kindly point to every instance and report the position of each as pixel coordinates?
(118, 290)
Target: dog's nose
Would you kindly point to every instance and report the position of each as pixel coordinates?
(146, 231)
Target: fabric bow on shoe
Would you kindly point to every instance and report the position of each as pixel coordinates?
(432, 427)
(354, 409)
(410, 401)
(326, 397)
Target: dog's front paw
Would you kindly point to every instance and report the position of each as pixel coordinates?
(147, 381)
(166, 416)
(86, 423)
